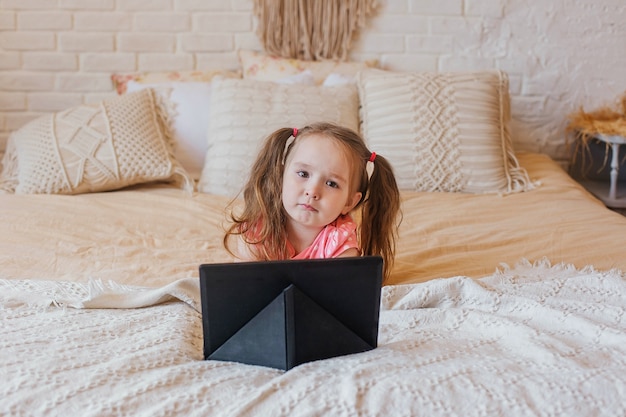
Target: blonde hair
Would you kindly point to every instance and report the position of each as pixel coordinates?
(262, 222)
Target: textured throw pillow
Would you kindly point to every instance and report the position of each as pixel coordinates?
(190, 95)
(88, 148)
(262, 67)
(9, 173)
(244, 112)
(189, 113)
(442, 131)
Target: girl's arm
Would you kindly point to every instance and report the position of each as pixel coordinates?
(242, 251)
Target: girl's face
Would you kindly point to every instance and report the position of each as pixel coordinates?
(316, 183)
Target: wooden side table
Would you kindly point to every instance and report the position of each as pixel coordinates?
(608, 193)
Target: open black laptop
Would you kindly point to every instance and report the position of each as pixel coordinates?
(285, 313)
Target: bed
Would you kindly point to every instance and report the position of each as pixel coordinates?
(506, 297)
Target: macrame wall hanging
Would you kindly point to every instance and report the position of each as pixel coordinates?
(310, 29)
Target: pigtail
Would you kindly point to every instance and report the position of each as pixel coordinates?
(262, 222)
(380, 214)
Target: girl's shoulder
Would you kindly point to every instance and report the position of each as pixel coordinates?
(333, 240)
(341, 230)
(343, 222)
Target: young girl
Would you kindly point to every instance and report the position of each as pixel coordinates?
(302, 189)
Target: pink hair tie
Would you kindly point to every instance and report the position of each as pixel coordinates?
(295, 132)
(372, 157)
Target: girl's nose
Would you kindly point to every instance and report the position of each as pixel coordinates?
(312, 192)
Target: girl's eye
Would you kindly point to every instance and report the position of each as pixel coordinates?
(303, 174)
(332, 184)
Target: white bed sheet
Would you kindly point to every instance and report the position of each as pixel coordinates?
(532, 341)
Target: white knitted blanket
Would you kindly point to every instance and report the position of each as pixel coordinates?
(535, 340)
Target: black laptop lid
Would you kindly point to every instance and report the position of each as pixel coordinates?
(346, 289)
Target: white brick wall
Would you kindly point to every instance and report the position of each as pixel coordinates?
(559, 54)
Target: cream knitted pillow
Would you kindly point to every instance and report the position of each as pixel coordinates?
(116, 143)
(190, 94)
(244, 112)
(9, 172)
(442, 131)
